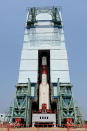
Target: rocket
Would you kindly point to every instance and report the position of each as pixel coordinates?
(44, 87)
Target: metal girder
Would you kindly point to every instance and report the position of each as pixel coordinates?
(35, 93)
(56, 17)
(54, 12)
(65, 103)
(31, 17)
(22, 104)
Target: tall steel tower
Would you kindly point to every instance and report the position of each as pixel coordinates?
(43, 93)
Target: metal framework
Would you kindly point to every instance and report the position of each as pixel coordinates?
(65, 104)
(22, 103)
(54, 12)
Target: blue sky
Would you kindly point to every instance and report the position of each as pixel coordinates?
(12, 21)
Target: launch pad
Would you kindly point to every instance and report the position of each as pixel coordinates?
(44, 91)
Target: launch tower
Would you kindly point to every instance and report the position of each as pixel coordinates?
(43, 93)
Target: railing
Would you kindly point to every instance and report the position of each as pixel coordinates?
(43, 127)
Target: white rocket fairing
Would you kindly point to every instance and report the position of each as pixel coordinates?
(44, 87)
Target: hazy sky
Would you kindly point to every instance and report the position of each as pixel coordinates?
(12, 21)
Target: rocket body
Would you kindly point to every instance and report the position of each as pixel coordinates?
(44, 87)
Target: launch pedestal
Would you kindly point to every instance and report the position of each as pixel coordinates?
(44, 120)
